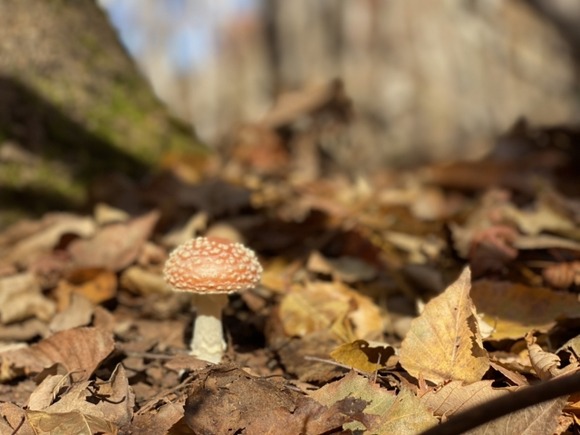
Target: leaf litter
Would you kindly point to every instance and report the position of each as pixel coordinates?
(389, 303)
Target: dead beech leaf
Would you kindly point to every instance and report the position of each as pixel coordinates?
(13, 417)
(158, 421)
(66, 423)
(19, 243)
(546, 364)
(21, 297)
(386, 413)
(115, 246)
(229, 400)
(514, 309)
(455, 397)
(79, 350)
(320, 306)
(112, 399)
(361, 356)
(406, 415)
(78, 313)
(444, 342)
(378, 399)
(537, 419)
(47, 391)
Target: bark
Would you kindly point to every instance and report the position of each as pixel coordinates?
(73, 107)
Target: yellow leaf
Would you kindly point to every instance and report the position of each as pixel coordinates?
(444, 342)
(360, 356)
(514, 309)
(322, 306)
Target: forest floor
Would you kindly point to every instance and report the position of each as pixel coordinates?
(389, 302)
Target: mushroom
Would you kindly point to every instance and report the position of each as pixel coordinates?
(211, 268)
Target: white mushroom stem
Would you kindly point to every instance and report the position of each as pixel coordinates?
(207, 342)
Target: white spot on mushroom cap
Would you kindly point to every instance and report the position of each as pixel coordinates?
(212, 265)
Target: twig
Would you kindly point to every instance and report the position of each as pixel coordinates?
(520, 399)
(153, 401)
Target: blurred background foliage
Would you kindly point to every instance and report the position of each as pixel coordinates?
(427, 81)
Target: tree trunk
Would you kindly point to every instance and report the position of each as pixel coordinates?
(72, 106)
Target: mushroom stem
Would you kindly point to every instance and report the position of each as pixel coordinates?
(207, 342)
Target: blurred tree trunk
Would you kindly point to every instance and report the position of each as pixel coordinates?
(73, 106)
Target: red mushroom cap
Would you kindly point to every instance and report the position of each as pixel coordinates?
(212, 265)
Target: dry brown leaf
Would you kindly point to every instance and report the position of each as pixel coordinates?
(30, 238)
(66, 423)
(21, 297)
(78, 313)
(80, 351)
(13, 417)
(514, 309)
(361, 356)
(406, 415)
(378, 399)
(346, 269)
(112, 399)
(444, 342)
(386, 413)
(538, 419)
(47, 391)
(319, 306)
(516, 378)
(158, 421)
(454, 398)
(115, 246)
(546, 364)
(228, 400)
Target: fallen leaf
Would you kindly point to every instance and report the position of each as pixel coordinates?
(49, 389)
(406, 415)
(158, 421)
(228, 400)
(13, 420)
(73, 422)
(444, 342)
(378, 399)
(23, 241)
(386, 413)
(78, 313)
(514, 309)
(21, 297)
(318, 306)
(537, 419)
(546, 364)
(79, 350)
(361, 356)
(454, 398)
(112, 399)
(116, 245)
